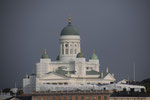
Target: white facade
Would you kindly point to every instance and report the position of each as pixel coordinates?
(121, 87)
(71, 67)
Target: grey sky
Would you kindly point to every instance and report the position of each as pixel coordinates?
(118, 30)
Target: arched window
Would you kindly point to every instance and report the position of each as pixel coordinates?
(75, 45)
(71, 51)
(75, 51)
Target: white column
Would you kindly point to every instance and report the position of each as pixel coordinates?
(64, 49)
(60, 48)
(79, 47)
(73, 48)
(68, 47)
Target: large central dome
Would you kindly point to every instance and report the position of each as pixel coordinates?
(69, 29)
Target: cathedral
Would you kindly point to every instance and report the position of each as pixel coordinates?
(70, 67)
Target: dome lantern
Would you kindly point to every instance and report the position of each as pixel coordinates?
(69, 19)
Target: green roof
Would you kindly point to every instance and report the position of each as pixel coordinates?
(92, 72)
(63, 72)
(60, 71)
(69, 30)
(80, 55)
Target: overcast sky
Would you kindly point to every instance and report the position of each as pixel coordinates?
(118, 31)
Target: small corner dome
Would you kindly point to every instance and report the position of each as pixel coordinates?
(94, 57)
(57, 58)
(45, 55)
(69, 30)
(80, 55)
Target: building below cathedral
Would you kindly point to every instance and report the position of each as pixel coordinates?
(71, 68)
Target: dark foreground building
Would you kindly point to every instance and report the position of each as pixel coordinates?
(130, 95)
(84, 95)
(66, 95)
(72, 95)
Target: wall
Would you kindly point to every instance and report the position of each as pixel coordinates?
(72, 97)
(129, 98)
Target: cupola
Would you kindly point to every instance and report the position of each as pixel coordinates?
(94, 57)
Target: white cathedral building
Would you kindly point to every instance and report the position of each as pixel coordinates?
(70, 67)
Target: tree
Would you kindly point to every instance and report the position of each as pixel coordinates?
(20, 92)
(6, 90)
(146, 83)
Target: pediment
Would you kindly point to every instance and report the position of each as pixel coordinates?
(109, 77)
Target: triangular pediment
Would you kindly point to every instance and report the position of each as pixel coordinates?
(54, 75)
(109, 77)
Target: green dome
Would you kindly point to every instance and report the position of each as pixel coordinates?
(69, 30)
(45, 55)
(80, 55)
(94, 57)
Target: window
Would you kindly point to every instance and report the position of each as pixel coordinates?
(70, 97)
(66, 51)
(104, 88)
(99, 97)
(64, 97)
(87, 98)
(47, 97)
(82, 98)
(53, 98)
(93, 98)
(65, 83)
(105, 97)
(75, 51)
(76, 97)
(42, 98)
(60, 83)
(59, 98)
(71, 51)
